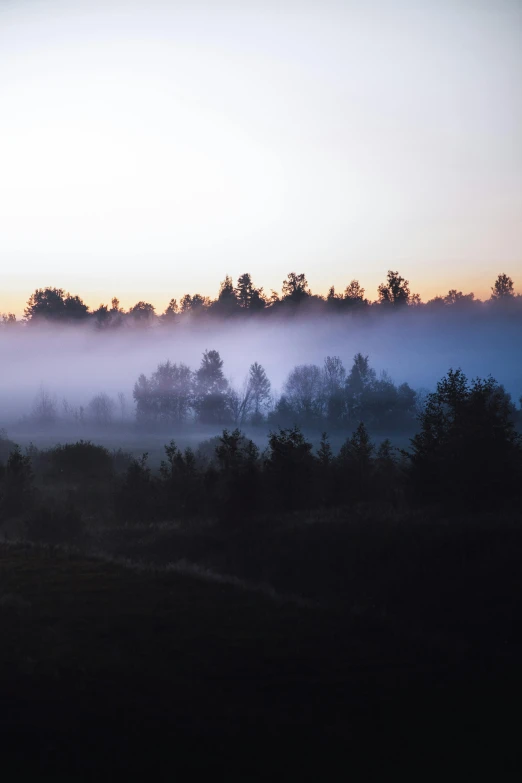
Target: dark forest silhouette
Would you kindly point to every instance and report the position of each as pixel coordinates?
(466, 454)
(380, 563)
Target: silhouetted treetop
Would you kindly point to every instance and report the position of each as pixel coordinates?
(211, 389)
(503, 288)
(172, 310)
(245, 299)
(248, 296)
(354, 292)
(55, 304)
(227, 302)
(142, 312)
(395, 291)
(196, 304)
(467, 450)
(295, 288)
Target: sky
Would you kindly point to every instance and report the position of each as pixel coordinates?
(147, 149)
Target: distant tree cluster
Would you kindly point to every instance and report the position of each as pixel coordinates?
(173, 394)
(312, 396)
(54, 305)
(336, 398)
(101, 410)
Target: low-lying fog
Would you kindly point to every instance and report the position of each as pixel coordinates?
(417, 347)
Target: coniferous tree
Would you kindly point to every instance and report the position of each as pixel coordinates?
(171, 311)
(503, 288)
(259, 388)
(356, 461)
(467, 452)
(244, 291)
(359, 384)
(289, 465)
(210, 389)
(324, 452)
(226, 304)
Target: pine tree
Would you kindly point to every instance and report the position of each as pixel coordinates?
(259, 388)
(210, 389)
(324, 452)
(503, 288)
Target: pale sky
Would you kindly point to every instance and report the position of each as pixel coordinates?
(149, 148)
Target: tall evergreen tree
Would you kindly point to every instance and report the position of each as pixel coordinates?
(503, 288)
(259, 388)
(467, 452)
(210, 389)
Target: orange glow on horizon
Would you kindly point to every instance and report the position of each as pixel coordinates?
(16, 301)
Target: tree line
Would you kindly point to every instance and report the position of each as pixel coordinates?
(55, 305)
(467, 454)
(312, 396)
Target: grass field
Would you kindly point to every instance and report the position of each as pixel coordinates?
(110, 669)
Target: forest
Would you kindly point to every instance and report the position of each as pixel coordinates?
(465, 454)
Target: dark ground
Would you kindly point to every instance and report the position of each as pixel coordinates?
(107, 670)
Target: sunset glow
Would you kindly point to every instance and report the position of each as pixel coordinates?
(148, 149)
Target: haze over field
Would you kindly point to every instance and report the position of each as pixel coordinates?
(78, 362)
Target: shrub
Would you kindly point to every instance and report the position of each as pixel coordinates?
(82, 460)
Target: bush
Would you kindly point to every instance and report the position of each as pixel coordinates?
(82, 460)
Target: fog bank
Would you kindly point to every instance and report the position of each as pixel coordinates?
(417, 347)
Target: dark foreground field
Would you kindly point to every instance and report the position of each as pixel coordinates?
(151, 672)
